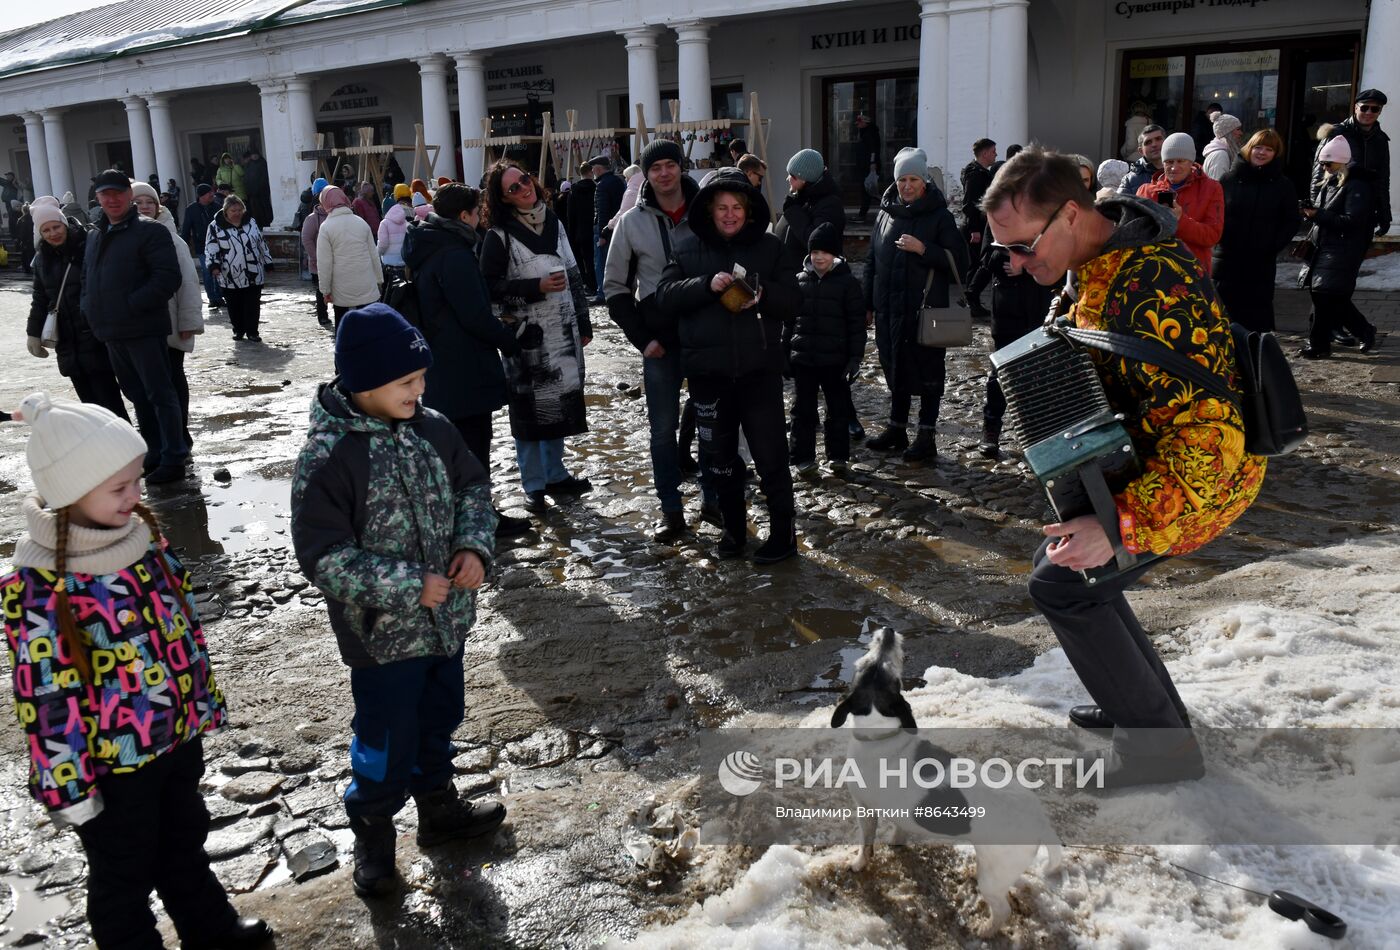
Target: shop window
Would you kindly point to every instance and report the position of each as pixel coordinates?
(1245, 84)
(1156, 87)
(890, 102)
(234, 141)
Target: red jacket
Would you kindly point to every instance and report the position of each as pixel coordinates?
(367, 212)
(1202, 202)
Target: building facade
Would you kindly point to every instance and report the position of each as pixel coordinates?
(936, 73)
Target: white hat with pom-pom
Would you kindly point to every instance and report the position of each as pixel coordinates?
(75, 446)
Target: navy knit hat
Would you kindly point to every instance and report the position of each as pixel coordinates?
(825, 237)
(807, 164)
(659, 151)
(375, 345)
(204, 189)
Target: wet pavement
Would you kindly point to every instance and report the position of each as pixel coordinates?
(597, 649)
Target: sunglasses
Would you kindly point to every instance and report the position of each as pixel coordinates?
(1375, 109)
(520, 185)
(1028, 250)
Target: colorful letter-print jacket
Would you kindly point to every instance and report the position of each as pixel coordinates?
(1196, 476)
(152, 685)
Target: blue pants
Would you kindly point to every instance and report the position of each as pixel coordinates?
(662, 380)
(405, 714)
(600, 260)
(540, 463)
(143, 370)
(211, 287)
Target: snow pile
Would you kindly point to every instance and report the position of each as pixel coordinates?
(1377, 273)
(1310, 640)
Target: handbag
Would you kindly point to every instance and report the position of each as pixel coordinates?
(1306, 248)
(872, 184)
(949, 326)
(49, 336)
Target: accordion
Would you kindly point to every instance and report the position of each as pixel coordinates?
(1073, 441)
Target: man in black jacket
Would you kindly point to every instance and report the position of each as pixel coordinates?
(579, 227)
(1370, 149)
(199, 214)
(130, 272)
(607, 201)
(976, 179)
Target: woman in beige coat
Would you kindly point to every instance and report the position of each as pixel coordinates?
(348, 268)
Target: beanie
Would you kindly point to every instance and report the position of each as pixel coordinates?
(402, 191)
(42, 200)
(444, 180)
(376, 345)
(1336, 149)
(825, 237)
(1224, 124)
(42, 214)
(203, 189)
(911, 161)
(1111, 173)
(419, 186)
(662, 150)
(75, 446)
(807, 164)
(139, 188)
(332, 198)
(1179, 145)
(419, 199)
(318, 186)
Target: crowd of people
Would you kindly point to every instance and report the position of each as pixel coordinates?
(392, 511)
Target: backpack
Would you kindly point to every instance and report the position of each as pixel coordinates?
(402, 294)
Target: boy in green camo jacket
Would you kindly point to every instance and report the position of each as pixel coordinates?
(392, 520)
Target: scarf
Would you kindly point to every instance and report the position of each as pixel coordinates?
(90, 550)
(534, 218)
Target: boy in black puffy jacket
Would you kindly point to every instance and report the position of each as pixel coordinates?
(824, 350)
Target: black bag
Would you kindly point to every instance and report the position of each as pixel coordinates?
(1275, 422)
(401, 294)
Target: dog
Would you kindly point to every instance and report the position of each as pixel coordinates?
(883, 729)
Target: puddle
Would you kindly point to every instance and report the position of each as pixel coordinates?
(734, 640)
(252, 391)
(228, 518)
(230, 420)
(32, 910)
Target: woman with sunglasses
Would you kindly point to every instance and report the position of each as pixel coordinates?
(913, 235)
(535, 283)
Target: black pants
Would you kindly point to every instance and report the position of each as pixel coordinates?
(1007, 327)
(182, 387)
(476, 432)
(340, 313)
(865, 198)
(322, 311)
(244, 308)
(143, 370)
(1331, 311)
(150, 836)
(753, 403)
(1107, 647)
(831, 380)
(99, 386)
(1249, 302)
(685, 438)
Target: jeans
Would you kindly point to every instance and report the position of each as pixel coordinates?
(150, 836)
(541, 463)
(753, 404)
(662, 379)
(244, 308)
(405, 714)
(902, 402)
(831, 381)
(143, 370)
(211, 286)
(600, 261)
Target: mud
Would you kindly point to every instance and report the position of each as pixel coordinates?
(598, 652)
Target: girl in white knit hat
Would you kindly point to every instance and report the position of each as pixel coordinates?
(112, 682)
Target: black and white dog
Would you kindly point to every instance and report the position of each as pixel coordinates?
(883, 731)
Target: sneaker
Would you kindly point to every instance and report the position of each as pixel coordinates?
(535, 502)
(570, 487)
(891, 440)
(444, 815)
(671, 528)
(245, 932)
(838, 468)
(374, 855)
(165, 474)
(508, 526)
(807, 469)
(1368, 344)
(710, 514)
(923, 447)
(856, 429)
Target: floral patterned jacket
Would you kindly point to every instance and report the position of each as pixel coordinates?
(1196, 476)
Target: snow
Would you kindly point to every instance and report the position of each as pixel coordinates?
(1317, 647)
(1377, 273)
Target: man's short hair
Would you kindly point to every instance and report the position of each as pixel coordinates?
(585, 168)
(752, 163)
(981, 144)
(454, 198)
(740, 146)
(1148, 130)
(1042, 179)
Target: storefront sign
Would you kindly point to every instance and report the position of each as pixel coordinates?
(1127, 10)
(871, 37)
(1157, 68)
(522, 78)
(1254, 61)
(351, 98)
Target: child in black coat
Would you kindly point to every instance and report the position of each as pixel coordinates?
(825, 349)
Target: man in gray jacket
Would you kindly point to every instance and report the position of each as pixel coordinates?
(1149, 166)
(640, 248)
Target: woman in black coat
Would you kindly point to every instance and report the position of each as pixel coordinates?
(734, 360)
(813, 199)
(913, 235)
(1341, 234)
(1261, 217)
(81, 357)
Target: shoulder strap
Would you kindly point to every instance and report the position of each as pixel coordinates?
(952, 266)
(1158, 354)
(665, 234)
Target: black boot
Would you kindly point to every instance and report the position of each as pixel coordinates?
(991, 436)
(443, 815)
(781, 543)
(893, 439)
(246, 932)
(374, 855)
(923, 447)
(508, 526)
(736, 531)
(856, 429)
(671, 529)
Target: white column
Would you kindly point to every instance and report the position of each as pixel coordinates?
(437, 114)
(933, 81)
(301, 113)
(643, 86)
(138, 124)
(38, 154)
(282, 178)
(167, 149)
(1380, 69)
(471, 108)
(1007, 92)
(56, 145)
(693, 42)
(969, 42)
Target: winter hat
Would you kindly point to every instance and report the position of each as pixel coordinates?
(825, 237)
(42, 214)
(1111, 173)
(662, 150)
(375, 345)
(807, 164)
(911, 161)
(402, 191)
(75, 446)
(420, 187)
(318, 186)
(42, 200)
(203, 189)
(332, 198)
(565, 185)
(419, 199)
(1336, 149)
(68, 198)
(139, 188)
(444, 180)
(1224, 125)
(1179, 145)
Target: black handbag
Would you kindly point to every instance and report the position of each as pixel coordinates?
(1275, 422)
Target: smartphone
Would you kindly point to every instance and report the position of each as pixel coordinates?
(1166, 197)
